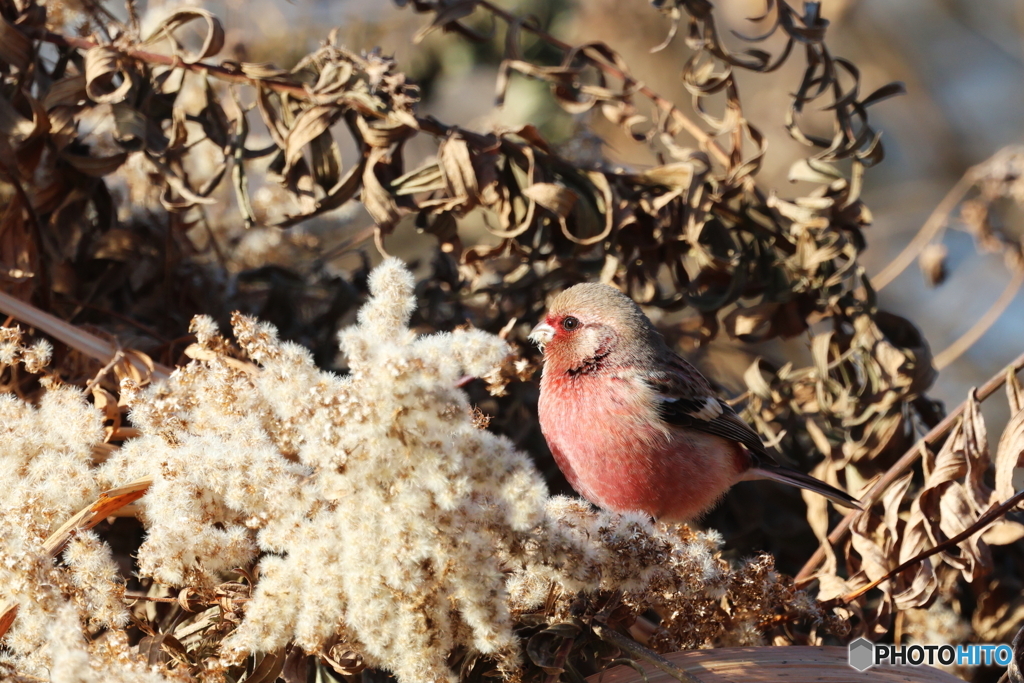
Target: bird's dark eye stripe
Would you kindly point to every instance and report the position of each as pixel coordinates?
(570, 323)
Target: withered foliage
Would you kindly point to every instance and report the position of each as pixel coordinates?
(695, 231)
(916, 516)
(983, 190)
(961, 484)
(126, 160)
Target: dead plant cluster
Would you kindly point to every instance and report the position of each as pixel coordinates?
(146, 178)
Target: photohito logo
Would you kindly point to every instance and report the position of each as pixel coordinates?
(864, 654)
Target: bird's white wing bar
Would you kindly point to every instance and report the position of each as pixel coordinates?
(708, 410)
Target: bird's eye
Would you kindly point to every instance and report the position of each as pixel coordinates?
(570, 323)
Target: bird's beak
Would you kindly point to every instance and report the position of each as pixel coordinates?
(542, 334)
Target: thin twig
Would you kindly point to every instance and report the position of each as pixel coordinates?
(638, 651)
(936, 221)
(219, 72)
(909, 458)
(223, 73)
(98, 377)
(136, 595)
(978, 329)
(982, 522)
(122, 317)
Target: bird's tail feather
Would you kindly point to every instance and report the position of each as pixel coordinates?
(784, 475)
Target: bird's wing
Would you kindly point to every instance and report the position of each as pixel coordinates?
(686, 399)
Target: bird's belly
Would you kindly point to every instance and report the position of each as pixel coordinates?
(622, 458)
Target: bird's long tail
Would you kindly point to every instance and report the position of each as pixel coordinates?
(784, 475)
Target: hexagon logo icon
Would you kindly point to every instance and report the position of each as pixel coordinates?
(862, 654)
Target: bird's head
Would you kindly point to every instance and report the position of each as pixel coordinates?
(594, 322)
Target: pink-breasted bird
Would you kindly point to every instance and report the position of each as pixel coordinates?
(633, 426)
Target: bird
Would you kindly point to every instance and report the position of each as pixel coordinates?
(632, 425)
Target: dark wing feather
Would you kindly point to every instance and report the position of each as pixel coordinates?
(728, 425)
(689, 401)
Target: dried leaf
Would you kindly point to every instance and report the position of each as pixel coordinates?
(456, 163)
(267, 669)
(554, 197)
(345, 190)
(751, 323)
(1009, 455)
(69, 91)
(679, 174)
(345, 661)
(308, 126)
(933, 264)
(378, 201)
(213, 38)
(1015, 671)
(16, 127)
(97, 167)
(814, 171)
(446, 18)
(755, 380)
(924, 582)
(107, 79)
(1003, 533)
(161, 648)
(15, 46)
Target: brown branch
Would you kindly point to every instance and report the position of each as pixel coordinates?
(219, 72)
(228, 75)
(982, 522)
(428, 125)
(98, 377)
(893, 473)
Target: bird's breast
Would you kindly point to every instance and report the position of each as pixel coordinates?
(607, 438)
